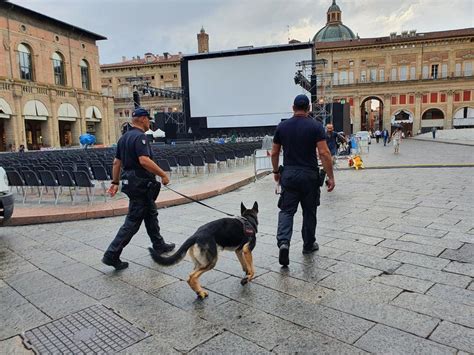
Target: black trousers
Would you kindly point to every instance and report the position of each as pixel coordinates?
(139, 210)
(298, 186)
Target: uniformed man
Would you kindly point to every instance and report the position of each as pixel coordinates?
(134, 157)
(299, 177)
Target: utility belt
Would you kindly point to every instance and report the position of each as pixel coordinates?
(321, 173)
(136, 186)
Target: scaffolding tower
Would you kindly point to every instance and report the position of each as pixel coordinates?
(142, 87)
(313, 76)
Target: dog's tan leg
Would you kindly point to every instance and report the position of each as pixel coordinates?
(242, 260)
(247, 254)
(193, 280)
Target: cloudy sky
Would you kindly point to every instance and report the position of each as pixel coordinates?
(134, 27)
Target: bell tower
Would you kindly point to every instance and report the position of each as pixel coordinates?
(203, 41)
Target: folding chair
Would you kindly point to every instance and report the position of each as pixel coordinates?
(65, 180)
(15, 179)
(83, 180)
(48, 179)
(32, 180)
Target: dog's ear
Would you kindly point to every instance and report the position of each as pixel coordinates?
(255, 206)
(242, 208)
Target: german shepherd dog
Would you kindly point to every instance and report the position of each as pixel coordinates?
(236, 234)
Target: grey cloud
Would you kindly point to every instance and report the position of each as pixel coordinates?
(136, 27)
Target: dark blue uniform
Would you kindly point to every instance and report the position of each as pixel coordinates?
(142, 189)
(299, 179)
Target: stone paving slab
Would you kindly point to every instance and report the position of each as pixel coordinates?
(382, 339)
(386, 274)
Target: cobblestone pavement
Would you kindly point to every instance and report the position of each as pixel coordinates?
(394, 273)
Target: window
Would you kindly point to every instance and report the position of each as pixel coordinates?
(434, 71)
(373, 75)
(351, 63)
(343, 78)
(362, 76)
(161, 77)
(58, 69)
(457, 71)
(85, 75)
(381, 75)
(425, 72)
(335, 78)
(24, 60)
(412, 73)
(394, 74)
(403, 72)
(176, 76)
(467, 68)
(351, 77)
(444, 71)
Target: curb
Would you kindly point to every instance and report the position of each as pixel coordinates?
(416, 166)
(121, 211)
(442, 141)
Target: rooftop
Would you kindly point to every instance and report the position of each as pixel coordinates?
(395, 39)
(8, 6)
(148, 59)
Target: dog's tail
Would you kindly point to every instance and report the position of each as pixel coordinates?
(176, 257)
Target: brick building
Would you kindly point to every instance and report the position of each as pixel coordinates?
(419, 80)
(50, 90)
(158, 71)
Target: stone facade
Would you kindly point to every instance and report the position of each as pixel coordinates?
(37, 111)
(428, 78)
(158, 71)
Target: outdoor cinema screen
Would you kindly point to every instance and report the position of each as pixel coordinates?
(245, 88)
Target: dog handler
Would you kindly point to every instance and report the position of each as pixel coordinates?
(299, 177)
(134, 157)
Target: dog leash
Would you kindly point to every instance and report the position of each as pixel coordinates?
(199, 202)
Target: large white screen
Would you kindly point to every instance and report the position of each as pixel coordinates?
(244, 90)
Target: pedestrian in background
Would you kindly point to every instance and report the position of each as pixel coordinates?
(134, 157)
(377, 135)
(300, 137)
(396, 139)
(433, 132)
(385, 136)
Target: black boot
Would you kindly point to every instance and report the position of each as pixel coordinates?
(112, 260)
(283, 256)
(163, 247)
(311, 248)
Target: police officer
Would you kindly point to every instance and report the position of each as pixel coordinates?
(134, 157)
(299, 177)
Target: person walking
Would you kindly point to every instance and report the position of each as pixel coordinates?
(385, 136)
(397, 138)
(332, 140)
(377, 135)
(433, 132)
(134, 157)
(299, 177)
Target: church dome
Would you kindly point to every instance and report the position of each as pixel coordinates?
(334, 30)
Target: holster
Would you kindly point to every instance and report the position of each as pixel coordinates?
(139, 188)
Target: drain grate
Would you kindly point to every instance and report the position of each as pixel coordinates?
(96, 329)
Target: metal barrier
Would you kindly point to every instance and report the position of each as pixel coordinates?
(262, 161)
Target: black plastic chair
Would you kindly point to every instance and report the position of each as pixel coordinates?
(65, 180)
(15, 179)
(184, 162)
(221, 158)
(210, 159)
(83, 180)
(32, 180)
(49, 180)
(197, 161)
(100, 174)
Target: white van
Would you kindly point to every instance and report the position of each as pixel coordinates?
(6, 198)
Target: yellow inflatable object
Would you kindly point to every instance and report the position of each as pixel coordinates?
(357, 162)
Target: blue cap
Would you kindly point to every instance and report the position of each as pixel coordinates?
(140, 112)
(301, 101)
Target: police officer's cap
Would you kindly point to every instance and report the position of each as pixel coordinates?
(301, 101)
(140, 112)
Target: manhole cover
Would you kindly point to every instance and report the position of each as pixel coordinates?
(96, 329)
